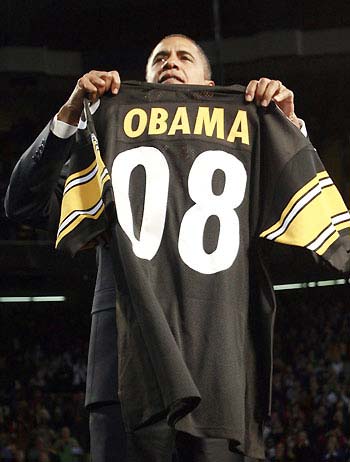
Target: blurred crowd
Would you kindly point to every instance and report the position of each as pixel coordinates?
(42, 384)
(310, 419)
(42, 414)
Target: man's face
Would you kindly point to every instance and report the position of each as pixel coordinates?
(176, 60)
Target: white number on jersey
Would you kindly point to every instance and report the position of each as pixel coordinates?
(156, 197)
(192, 227)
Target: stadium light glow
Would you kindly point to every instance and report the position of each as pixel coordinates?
(311, 284)
(39, 298)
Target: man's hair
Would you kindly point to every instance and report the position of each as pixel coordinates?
(204, 58)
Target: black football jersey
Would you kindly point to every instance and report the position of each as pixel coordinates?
(186, 180)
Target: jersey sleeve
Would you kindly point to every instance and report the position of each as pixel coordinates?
(305, 208)
(86, 194)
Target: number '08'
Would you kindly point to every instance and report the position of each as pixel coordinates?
(206, 204)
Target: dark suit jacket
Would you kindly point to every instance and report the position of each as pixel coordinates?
(34, 197)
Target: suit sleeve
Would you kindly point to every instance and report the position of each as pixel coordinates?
(303, 206)
(34, 193)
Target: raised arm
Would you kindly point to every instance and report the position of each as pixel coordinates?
(92, 86)
(35, 190)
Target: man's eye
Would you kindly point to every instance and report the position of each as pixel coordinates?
(186, 58)
(159, 59)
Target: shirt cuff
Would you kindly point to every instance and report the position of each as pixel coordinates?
(303, 127)
(62, 129)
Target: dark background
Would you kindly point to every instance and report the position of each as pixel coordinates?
(116, 24)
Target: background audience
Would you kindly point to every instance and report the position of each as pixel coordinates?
(42, 414)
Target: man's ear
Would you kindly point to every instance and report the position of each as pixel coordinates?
(211, 83)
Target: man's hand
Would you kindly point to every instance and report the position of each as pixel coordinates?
(265, 90)
(92, 86)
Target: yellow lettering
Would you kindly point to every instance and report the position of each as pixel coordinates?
(239, 128)
(180, 122)
(157, 122)
(209, 123)
(142, 122)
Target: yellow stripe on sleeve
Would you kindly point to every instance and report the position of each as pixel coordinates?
(294, 200)
(314, 218)
(321, 250)
(76, 222)
(82, 197)
(81, 173)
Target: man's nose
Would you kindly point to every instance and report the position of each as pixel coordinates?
(171, 63)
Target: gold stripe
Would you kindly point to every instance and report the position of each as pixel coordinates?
(313, 218)
(342, 225)
(105, 179)
(98, 160)
(83, 197)
(322, 175)
(76, 223)
(75, 175)
(297, 196)
(325, 246)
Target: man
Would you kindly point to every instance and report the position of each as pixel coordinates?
(34, 197)
(178, 60)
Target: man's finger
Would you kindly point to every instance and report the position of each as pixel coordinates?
(284, 94)
(87, 87)
(115, 84)
(272, 89)
(250, 90)
(106, 81)
(261, 89)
